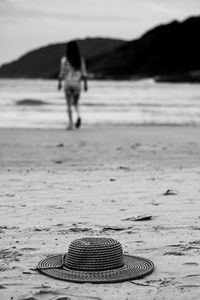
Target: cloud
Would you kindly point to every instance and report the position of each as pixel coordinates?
(26, 24)
(49, 9)
(20, 9)
(94, 10)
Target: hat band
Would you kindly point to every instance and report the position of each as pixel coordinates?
(93, 269)
(92, 264)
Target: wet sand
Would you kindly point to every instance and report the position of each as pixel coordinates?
(57, 186)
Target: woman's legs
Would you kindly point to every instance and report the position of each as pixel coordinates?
(77, 109)
(69, 101)
(76, 105)
(72, 99)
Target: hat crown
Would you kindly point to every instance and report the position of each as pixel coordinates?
(94, 254)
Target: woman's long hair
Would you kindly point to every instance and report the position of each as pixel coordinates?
(73, 55)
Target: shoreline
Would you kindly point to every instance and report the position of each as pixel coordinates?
(98, 126)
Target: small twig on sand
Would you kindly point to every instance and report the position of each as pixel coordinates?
(170, 193)
(141, 284)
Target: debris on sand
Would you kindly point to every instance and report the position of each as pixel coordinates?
(60, 145)
(143, 218)
(2, 287)
(192, 275)
(170, 193)
(77, 229)
(124, 168)
(58, 161)
(46, 229)
(114, 228)
(191, 263)
(141, 284)
(9, 255)
(139, 218)
(28, 298)
(189, 286)
(136, 145)
(27, 272)
(176, 253)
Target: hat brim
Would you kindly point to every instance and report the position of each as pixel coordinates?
(134, 267)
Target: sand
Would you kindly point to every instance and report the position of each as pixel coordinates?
(57, 186)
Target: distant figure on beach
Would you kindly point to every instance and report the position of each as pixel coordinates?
(72, 71)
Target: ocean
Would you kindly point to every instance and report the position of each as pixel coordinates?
(38, 103)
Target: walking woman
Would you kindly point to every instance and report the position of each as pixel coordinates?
(72, 71)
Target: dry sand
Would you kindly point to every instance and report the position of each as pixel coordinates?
(57, 186)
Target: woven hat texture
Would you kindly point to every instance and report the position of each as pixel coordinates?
(95, 260)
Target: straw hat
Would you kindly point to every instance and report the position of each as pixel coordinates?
(95, 260)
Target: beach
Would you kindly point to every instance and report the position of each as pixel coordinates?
(57, 186)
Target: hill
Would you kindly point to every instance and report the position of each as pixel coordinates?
(169, 52)
(44, 62)
(166, 50)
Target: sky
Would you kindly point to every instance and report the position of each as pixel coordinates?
(28, 24)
